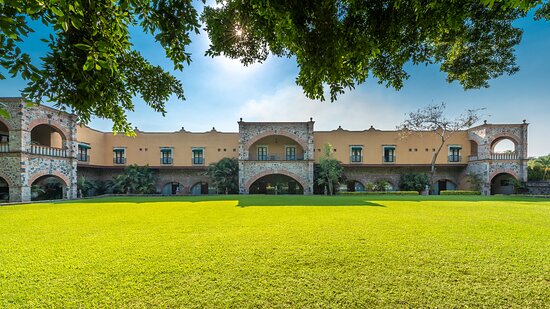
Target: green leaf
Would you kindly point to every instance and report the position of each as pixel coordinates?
(83, 46)
(57, 11)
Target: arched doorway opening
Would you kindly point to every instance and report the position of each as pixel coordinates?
(4, 190)
(503, 183)
(355, 186)
(48, 140)
(199, 188)
(47, 135)
(276, 148)
(473, 149)
(172, 188)
(48, 187)
(443, 185)
(276, 184)
(4, 137)
(503, 148)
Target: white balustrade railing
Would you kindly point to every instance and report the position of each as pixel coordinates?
(504, 156)
(4, 147)
(48, 151)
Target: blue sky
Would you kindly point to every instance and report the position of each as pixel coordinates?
(219, 91)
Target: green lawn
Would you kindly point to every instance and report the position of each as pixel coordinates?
(277, 251)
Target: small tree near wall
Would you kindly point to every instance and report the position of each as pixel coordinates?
(330, 170)
(431, 119)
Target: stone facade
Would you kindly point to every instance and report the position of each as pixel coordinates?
(186, 177)
(488, 164)
(539, 187)
(25, 162)
(25, 159)
(252, 170)
(392, 174)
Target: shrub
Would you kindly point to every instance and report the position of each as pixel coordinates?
(414, 182)
(379, 186)
(459, 192)
(380, 193)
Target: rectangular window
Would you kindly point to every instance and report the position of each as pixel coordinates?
(166, 156)
(4, 138)
(119, 156)
(389, 154)
(262, 153)
(198, 156)
(454, 153)
(290, 153)
(83, 153)
(356, 154)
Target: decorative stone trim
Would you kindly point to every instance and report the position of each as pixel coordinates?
(52, 173)
(299, 179)
(294, 137)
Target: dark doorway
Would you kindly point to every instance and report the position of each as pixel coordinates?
(276, 184)
(442, 186)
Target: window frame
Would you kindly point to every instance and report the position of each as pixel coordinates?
(393, 155)
(263, 157)
(353, 158)
(197, 160)
(293, 157)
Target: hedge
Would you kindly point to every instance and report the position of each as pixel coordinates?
(380, 193)
(459, 192)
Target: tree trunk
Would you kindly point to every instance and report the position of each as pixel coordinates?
(434, 159)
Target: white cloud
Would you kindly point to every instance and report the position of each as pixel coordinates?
(355, 110)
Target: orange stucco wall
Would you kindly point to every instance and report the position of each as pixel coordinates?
(409, 149)
(145, 147)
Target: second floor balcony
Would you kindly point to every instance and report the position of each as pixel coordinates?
(119, 160)
(197, 161)
(48, 151)
(83, 157)
(454, 158)
(277, 157)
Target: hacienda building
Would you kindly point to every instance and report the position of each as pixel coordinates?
(40, 145)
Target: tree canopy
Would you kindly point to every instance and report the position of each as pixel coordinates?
(330, 170)
(91, 68)
(225, 175)
(340, 43)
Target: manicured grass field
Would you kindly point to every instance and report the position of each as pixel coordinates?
(277, 251)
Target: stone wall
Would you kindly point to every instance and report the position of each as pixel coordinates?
(20, 165)
(539, 187)
(250, 132)
(250, 171)
(185, 176)
(487, 164)
(392, 174)
(301, 171)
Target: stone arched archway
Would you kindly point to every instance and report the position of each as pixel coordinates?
(172, 188)
(62, 129)
(199, 188)
(503, 183)
(276, 184)
(353, 185)
(4, 190)
(444, 184)
(48, 187)
(253, 179)
(262, 135)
